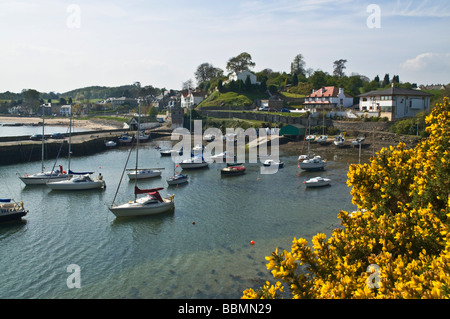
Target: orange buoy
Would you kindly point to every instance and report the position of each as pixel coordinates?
(252, 242)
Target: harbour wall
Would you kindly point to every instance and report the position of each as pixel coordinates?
(20, 149)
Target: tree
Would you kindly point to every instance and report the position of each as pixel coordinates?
(396, 244)
(189, 84)
(206, 72)
(318, 79)
(298, 65)
(240, 63)
(339, 66)
(386, 80)
(295, 79)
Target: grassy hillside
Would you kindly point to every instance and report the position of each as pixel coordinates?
(231, 100)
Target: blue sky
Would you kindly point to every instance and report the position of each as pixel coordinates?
(58, 46)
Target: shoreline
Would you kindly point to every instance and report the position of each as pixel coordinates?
(91, 125)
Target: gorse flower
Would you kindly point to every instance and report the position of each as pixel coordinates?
(401, 226)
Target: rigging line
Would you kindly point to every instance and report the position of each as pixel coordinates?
(123, 172)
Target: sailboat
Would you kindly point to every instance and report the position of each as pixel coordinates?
(177, 178)
(43, 177)
(310, 162)
(150, 204)
(77, 181)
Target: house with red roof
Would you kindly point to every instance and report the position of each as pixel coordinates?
(328, 97)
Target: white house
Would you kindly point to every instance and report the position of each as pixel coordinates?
(192, 98)
(242, 76)
(395, 102)
(65, 110)
(328, 97)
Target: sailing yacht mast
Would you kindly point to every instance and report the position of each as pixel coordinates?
(42, 148)
(137, 149)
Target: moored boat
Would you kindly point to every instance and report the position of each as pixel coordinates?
(177, 179)
(232, 170)
(194, 162)
(150, 204)
(270, 162)
(143, 173)
(10, 210)
(317, 182)
(78, 182)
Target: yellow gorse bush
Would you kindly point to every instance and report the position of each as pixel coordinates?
(397, 245)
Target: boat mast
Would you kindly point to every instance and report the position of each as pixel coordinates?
(70, 135)
(137, 150)
(42, 150)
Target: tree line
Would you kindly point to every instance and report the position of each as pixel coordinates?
(299, 80)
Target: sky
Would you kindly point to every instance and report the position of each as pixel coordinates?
(58, 46)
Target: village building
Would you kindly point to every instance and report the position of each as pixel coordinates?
(242, 75)
(329, 97)
(395, 102)
(65, 110)
(192, 98)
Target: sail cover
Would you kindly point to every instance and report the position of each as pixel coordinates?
(5, 200)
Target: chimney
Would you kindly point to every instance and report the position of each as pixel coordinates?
(341, 91)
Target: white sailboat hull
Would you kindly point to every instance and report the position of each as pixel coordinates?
(40, 179)
(317, 182)
(138, 208)
(69, 185)
(143, 174)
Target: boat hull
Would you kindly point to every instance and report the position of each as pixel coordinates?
(133, 209)
(193, 165)
(63, 185)
(10, 216)
(143, 174)
(312, 166)
(176, 181)
(34, 180)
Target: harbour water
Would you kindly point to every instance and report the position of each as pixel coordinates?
(200, 250)
(24, 130)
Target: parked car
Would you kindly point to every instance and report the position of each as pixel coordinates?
(263, 108)
(36, 137)
(285, 110)
(57, 136)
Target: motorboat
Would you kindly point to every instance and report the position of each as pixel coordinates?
(310, 138)
(78, 182)
(150, 204)
(10, 210)
(313, 164)
(177, 179)
(358, 141)
(317, 182)
(143, 173)
(44, 177)
(232, 170)
(110, 144)
(125, 139)
(143, 137)
(322, 139)
(170, 152)
(271, 162)
(194, 162)
(209, 137)
(339, 141)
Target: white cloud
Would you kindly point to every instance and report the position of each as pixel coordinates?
(428, 68)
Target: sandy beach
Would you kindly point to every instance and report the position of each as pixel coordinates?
(93, 124)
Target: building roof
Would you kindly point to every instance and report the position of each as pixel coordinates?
(395, 91)
(327, 91)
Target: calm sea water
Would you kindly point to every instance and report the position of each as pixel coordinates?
(201, 250)
(30, 130)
